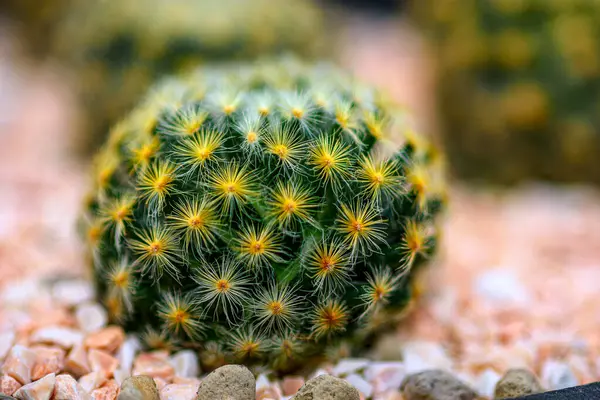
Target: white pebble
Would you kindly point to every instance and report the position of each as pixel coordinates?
(57, 335)
(120, 375)
(558, 375)
(485, 384)
(502, 287)
(91, 317)
(6, 341)
(185, 363)
(385, 376)
(20, 293)
(360, 384)
(419, 356)
(349, 365)
(73, 292)
(127, 352)
(262, 382)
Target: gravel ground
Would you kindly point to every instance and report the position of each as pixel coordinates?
(515, 284)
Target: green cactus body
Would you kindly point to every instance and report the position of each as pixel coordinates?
(117, 49)
(519, 87)
(263, 212)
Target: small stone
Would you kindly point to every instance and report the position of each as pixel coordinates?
(67, 388)
(108, 339)
(485, 383)
(139, 387)
(91, 317)
(503, 287)
(39, 390)
(291, 385)
(181, 391)
(108, 391)
(349, 365)
(185, 363)
(435, 385)
(8, 385)
(19, 363)
(20, 293)
(92, 381)
(76, 362)
(7, 339)
(421, 356)
(47, 360)
(58, 336)
(103, 362)
(73, 292)
(327, 387)
(558, 375)
(229, 382)
(127, 353)
(515, 383)
(154, 365)
(266, 389)
(385, 376)
(120, 375)
(363, 387)
(189, 381)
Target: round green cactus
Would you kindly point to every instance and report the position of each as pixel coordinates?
(264, 212)
(117, 49)
(519, 86)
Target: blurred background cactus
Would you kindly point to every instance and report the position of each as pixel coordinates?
(266, 212)
(518, 87)
(114, 49)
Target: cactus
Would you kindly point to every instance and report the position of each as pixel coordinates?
(269, 213)
(116, 49)
(519, 87)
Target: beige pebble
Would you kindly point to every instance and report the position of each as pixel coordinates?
(108, 391)
(139, 387)
(19, 363)
(92, 381)
(47, 360)
(179, 391)
(76, 362)
(154, 365)
(103, 362)
(108, 339)
(91, 317)
(8, 385)
(39, 390)
(67, 388)
(57, 335)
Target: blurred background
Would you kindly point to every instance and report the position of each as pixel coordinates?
(509, 88)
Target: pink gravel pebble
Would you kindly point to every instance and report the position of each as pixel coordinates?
(41, 389)
(103, 362)
(67, 388)
(108, 339)
(8, 385)
(77, 362)
(48, 360)
(179, 391)
(92, 381)
(291, 385)
(108, 391)
(19, 363)
(154, 365)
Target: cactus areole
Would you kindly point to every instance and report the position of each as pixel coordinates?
(264, 213)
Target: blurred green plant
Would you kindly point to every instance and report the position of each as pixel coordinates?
(268, 213)
(519, 87)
